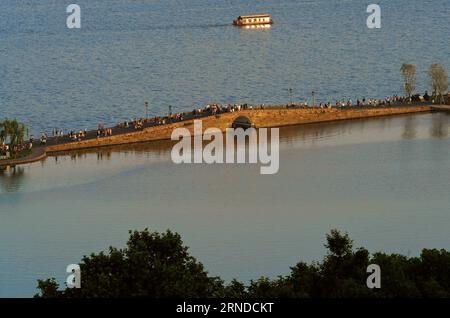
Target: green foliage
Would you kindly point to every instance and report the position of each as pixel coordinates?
(12, 129)
(235, 289)
(13, 132)
(3, 132)
(152, 265)
(438, 80)
(409, 78)
(158, 265)
(339, 245)
(49, 288)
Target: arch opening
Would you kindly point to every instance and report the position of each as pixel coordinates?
(242, 122)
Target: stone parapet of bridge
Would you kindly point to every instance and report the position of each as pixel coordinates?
(273, 117)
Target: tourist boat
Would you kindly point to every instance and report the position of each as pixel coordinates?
(254, 21)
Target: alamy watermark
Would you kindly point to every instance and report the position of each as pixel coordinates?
(74, 19)
(374, 19)
(74, 279)
(234, 149)
(374, 279)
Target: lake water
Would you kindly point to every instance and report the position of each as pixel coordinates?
(385, 181)
(186, 52)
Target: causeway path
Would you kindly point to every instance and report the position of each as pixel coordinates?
(268, 116)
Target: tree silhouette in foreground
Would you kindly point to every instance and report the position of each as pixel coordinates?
(158, 265)
(152, 265)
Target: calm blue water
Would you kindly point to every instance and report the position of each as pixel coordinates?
(386, 180)
(185, 52)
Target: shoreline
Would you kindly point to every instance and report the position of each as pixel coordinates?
(259, 118)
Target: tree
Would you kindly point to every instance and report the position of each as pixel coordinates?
(158, 265)
(438, 80)
(339, 245)
(409, 78)
(3, 132)
(16, 133)
(6, 126)
(14, 130)
(152, 265)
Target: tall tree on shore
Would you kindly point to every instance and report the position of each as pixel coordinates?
(438, 80)
(3, 132)
(16, 132)
(409, 78)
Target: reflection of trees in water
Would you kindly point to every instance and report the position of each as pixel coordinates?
(410, 128)
(73, 155)
(11, 178)
(104, 155)
(439, 125)
(156, 148)
(314, 132)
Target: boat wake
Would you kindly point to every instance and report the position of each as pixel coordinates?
(191, 26)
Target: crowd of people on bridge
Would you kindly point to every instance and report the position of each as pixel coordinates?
(216, 108)
(363, 102)
(103, 131)
(77, 136)
(5, 149)
(208, 110)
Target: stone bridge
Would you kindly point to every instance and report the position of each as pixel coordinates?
(258, 118)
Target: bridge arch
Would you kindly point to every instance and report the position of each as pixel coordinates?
(242, 122)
